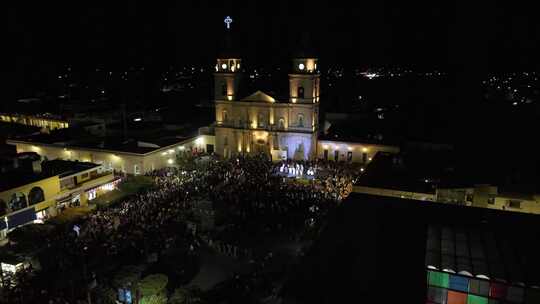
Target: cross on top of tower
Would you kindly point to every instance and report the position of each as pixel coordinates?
(228, 20)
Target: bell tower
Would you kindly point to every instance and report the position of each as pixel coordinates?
(227, 69)
(304, 81)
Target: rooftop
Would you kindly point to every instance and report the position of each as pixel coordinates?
(363, 130)
(401, 172)
(16, 179)
(23, 176)
(143, 138)
(496, 252)
(259, 96)
(65, 168)
(374, 244)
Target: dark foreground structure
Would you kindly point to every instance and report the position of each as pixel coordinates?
(390, 250)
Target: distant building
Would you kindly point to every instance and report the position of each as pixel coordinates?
(282, 127)
(423, 179)
(37, 193)
(46, 123)
(115, 154)
(260, 123)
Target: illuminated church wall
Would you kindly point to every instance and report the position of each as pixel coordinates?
(298, 145)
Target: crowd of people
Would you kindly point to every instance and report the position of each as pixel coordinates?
(147, 221)
(248, 193)
(244, 190)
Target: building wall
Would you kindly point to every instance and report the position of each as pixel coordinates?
(231, 141)
(502, 202)
(357, 150)
(50, 187)
(309, 82)
(395, 193)
(252, 127)
(265, 115)
(119, 161)
(486, 196)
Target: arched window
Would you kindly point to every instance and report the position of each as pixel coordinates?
(35, 196)
(225, 118)
(301, 120)
(18, 201)
(300, 92)
(281, 123)
(260, 120)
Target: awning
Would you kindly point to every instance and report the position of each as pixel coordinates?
(21, 218)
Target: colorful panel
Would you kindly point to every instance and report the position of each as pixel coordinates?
(439, 279)
(459, 283)
(436, 295)
(472, 299)
(479, 287)
(455, 297)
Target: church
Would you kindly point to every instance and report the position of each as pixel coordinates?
(282, 128)
(260, 123)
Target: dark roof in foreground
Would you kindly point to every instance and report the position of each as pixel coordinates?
(483, 250)
(16, 179)
(373, 249)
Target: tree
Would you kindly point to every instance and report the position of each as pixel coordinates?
(153, 285)
(186, 161)
(179, 296)
(128, 276)
(105, 295)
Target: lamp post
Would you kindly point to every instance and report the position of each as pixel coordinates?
(85, 276)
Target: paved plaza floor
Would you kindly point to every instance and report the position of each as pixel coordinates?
(216, 268)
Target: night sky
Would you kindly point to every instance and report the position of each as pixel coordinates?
(365, 33)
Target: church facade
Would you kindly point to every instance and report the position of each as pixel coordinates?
(259, 123)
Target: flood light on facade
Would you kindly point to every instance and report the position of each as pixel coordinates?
(224, 66)
(364, 149)
(170, 161)
(301, 66)
(199, 141)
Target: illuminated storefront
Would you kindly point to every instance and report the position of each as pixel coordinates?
(94, 192)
